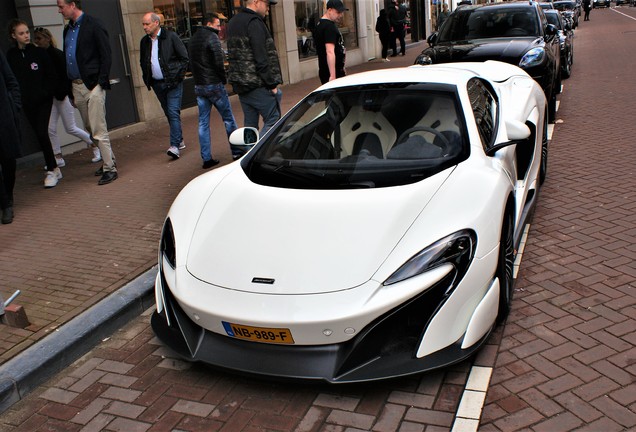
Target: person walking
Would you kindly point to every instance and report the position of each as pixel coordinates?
(62, 107)
(10, 106)
(442, 16)
(35, 74)
(587, 8)
(164, 60)
(254, 69)
(383, 28)
(207, 63)
(88, 60)
(397, 19)
(329, 43)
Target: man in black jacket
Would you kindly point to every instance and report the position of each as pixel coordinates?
(254, 70)
(208, 70)
(164, 60)
(88, 60)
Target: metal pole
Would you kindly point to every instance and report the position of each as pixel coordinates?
(10, 299)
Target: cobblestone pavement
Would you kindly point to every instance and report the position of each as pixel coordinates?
(564, 361)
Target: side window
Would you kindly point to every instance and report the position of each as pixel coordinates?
(484, 106)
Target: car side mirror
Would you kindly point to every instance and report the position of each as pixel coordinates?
(242, 140)
(551, 30)
(517, 132)
(432, 39)
(244, 136)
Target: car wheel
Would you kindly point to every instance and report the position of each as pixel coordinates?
(552, 106)
(567, 68)
(505, 267)
(543, 167)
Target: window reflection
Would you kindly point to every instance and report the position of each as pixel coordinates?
(309, 12)
(184, 16)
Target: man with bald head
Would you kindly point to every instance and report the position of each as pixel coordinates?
(164, 60)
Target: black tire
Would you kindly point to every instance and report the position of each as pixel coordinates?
(552, 107)
(567, 69)
(505, 267)
(543, 167)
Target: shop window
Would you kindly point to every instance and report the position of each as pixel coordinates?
(183, 16)
(309, 12)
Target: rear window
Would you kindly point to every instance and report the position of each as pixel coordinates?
(363, 137)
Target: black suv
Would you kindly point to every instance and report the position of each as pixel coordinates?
(512, 32)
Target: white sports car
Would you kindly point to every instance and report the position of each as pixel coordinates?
(371, 233)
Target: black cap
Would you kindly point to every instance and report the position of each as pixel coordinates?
(337, 5)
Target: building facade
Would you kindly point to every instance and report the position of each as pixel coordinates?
(129, 103)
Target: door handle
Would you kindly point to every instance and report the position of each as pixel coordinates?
(122, 44)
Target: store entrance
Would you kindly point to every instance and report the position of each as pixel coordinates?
(120, 101)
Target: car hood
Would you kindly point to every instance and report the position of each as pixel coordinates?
(509, 50)
(270, 240)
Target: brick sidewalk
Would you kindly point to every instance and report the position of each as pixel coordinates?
(71, 246)
(565, 360)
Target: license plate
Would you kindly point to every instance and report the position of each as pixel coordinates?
(259, 334)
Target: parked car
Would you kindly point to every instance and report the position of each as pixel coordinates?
(621, 2)
(569, 9)
(601, 4)
(546, 5)
(566, 37)
(514, 32)
(371, 233)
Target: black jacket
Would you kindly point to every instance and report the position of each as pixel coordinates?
(60, 89)
(93, 53)
(251, 53)
(34, 71)
(173, 58)
(10, 105)
(206, 57)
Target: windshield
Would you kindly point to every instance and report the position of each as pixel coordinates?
(363, 137)
(485, 22)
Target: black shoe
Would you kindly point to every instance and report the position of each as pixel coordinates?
(210, 163)
(100, 171)
(403, 53)
(7, 215)
(108, 177)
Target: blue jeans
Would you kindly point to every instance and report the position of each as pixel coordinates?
(208, 95)
(170, 100)
(263, 102)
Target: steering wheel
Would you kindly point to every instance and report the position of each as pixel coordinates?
(446, 144)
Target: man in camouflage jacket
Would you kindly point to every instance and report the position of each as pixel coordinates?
(254, 69)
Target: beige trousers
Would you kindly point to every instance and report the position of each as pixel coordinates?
(92, 107)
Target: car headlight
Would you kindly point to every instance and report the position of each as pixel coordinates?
(423, 59)
(457, 249)
(167, 247)
(533, 57)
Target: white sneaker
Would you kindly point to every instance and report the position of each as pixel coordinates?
(58, 173)
(50, 180)
(182, 145)
(60, 162)
(97, 154)
(386, 60)
(173, 152)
